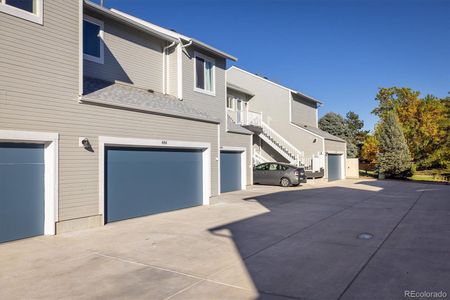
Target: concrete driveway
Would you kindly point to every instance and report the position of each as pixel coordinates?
(263, 243)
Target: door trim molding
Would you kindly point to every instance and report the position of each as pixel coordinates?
(105, 141)
(50, 142)
(243, 151)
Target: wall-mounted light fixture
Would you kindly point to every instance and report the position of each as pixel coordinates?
(84, 142)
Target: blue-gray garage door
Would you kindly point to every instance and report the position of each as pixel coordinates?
(21, 191)
(334, 166)
(142, 182)
(230, 171)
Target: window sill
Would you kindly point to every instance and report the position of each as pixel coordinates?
(205, 92)
(11, 10)
(98, 60)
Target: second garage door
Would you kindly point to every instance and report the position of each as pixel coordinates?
(141, 182)
(334, 166)
(230, 171)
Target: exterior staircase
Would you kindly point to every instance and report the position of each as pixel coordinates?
(277, 142)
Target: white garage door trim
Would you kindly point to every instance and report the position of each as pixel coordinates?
(105, 141)
(50, 141)
(243, 151)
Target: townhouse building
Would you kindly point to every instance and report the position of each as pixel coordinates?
(285, 125)
(105, 117)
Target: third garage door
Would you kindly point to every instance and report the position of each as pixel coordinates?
(141, 182)
(230, 171)
(334, 166)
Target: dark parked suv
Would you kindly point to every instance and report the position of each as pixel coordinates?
(278, 174)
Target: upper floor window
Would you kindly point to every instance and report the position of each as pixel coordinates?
(93, 39)
(31, 10)
(204, 74)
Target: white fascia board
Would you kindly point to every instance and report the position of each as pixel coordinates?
(175, 35)
(312, 133)
(275, 84)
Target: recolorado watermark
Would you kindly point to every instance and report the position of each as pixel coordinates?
(424, 294)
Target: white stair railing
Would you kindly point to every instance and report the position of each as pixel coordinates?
(315, 163)
(278, 142)
(254, 119)
(258, 158)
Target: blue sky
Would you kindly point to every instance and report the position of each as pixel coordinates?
(338, 51)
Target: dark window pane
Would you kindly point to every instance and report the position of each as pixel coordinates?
(200, 71)
(91, 39)
(27, 5)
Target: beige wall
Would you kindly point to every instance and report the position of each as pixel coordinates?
(352, 166)
(129, 55)
(273, 101)
(214, 106)
(334, 146)
(303, 111)
(40, 85)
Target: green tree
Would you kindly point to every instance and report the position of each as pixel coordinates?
(393, 159)
(423, 122)
(369, 149)
(336, 125)
(355, 126)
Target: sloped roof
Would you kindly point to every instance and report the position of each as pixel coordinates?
(233, 127)
(175, 35)
(239, 89)
(126, 96)
(276, 84)
(320, 132)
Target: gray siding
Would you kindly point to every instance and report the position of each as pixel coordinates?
(172, 71)
(303, 111)
(333, 146)
(130, 56)
(215, 106)
(273, 102)
(212, 105)
(40, 77)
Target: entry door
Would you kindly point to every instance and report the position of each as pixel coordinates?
(21, 191)
(240, 111)
(334, 166)
(230, 171)
(142, 182)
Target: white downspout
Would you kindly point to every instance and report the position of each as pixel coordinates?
(165, 54)
(180, 68)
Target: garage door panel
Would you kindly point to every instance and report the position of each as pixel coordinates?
(141, 182)
(334, 167)
(230, 171)
(21, 190)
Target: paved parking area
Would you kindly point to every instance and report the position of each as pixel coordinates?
(263, 243)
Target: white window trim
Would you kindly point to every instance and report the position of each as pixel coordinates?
(101, 59)
(50, 142)
(105, 141)
(20, 13)
(211, 60)
(243, 152)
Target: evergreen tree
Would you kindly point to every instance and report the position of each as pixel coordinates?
(394, 158)
(336, 125)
